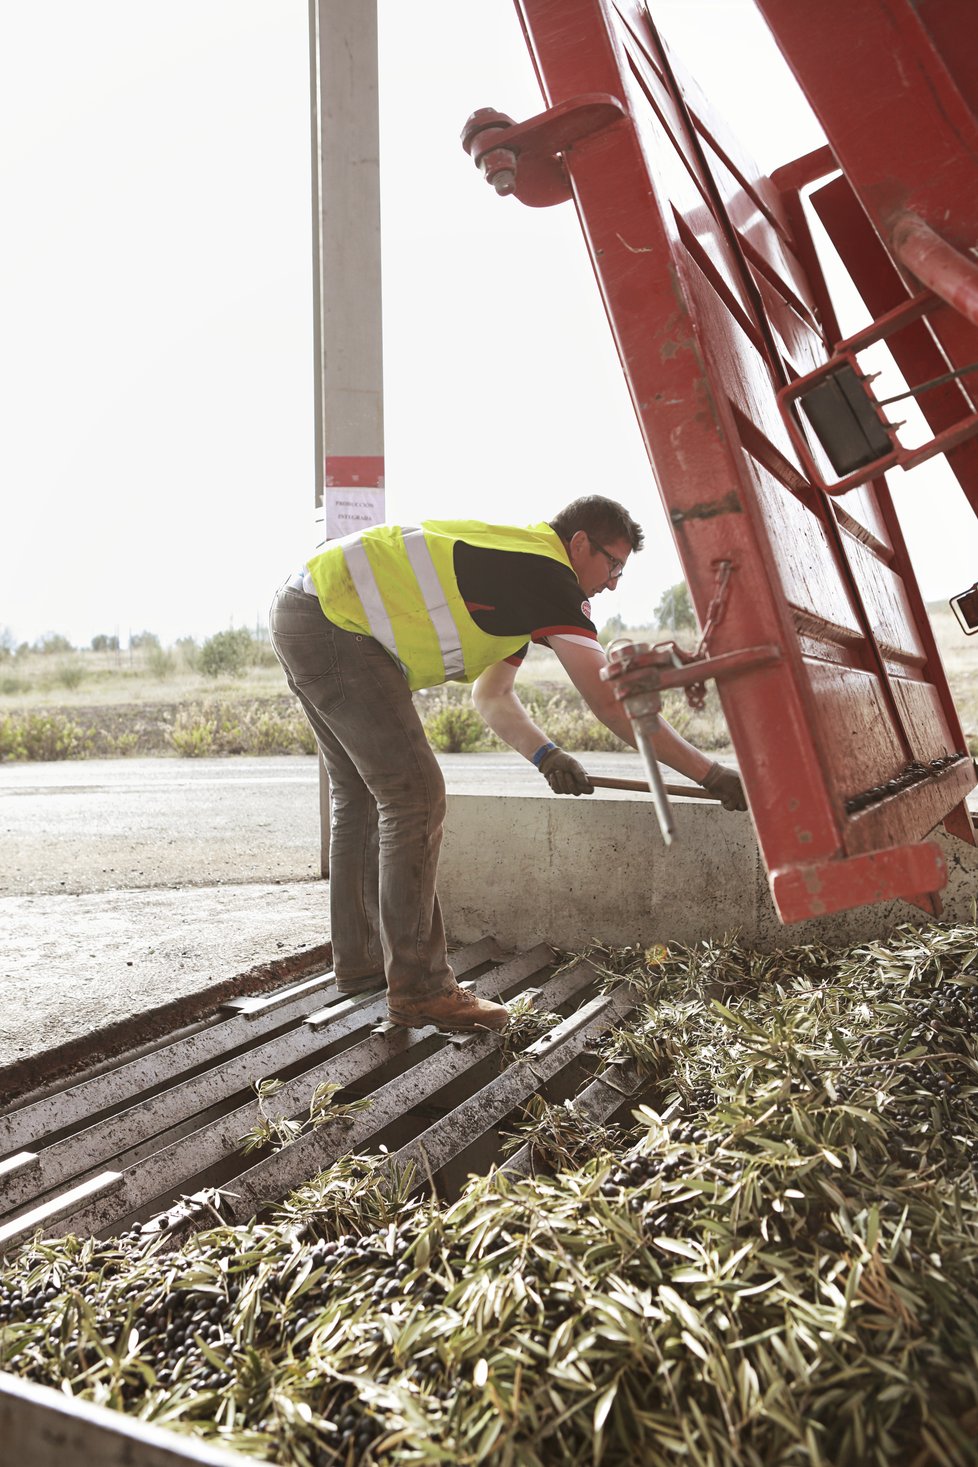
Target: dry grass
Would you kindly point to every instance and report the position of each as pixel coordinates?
(128, 695)
(83, 679)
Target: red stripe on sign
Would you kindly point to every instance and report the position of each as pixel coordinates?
(343, 472)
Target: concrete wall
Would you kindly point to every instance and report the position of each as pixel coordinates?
(531, 868)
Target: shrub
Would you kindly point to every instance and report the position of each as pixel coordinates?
(189, 652)
(192, 736)
(577, 728)
(118, 746)
(262, 654)
(11, 685)
(219, 729)
(227, 654)
(52, 642)
(11, 739)
(47, 736)
(143, 639)
(454, 728)
(613, 627)
(160, 663)
(71, 673)
(266, 733)
(103, 643)
(305, 738)
(230, 736)
(675, 610)
(564, 717)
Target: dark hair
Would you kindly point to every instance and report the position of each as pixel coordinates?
(605, 519)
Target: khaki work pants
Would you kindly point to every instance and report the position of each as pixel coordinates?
(387, 796)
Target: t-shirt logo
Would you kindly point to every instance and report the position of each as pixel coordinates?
(586, 608)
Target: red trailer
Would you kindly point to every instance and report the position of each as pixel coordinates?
(766, 443)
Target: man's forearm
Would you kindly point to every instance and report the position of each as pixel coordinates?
(509, 720)
(672, 749)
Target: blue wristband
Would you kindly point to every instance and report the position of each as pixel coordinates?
(541, 754)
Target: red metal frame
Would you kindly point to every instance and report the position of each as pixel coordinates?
(908, 313)
(716, 303)
(895, 86)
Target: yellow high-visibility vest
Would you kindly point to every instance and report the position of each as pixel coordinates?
(396, 583)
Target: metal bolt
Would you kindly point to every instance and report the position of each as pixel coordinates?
(499, 168)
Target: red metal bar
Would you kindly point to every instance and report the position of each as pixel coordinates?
(912, 872)
(915, 349)
(936, 264)
(959, 823)
(897, 96)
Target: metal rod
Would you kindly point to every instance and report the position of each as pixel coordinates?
(692, 791)
(937, 263)
(926, 386)
(657, 787)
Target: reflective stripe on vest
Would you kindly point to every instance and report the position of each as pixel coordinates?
(362, 575)
(419, 558)
(449, 642)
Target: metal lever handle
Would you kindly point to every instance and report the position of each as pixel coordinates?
(687, 791)
(643, 710)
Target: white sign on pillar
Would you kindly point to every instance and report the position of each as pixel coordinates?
(353, 494)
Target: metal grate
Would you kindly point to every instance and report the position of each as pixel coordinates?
(156, 1138)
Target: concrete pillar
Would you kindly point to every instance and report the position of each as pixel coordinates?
(346, 277)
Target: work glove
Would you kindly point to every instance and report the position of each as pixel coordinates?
(725, 783)
(564, 775)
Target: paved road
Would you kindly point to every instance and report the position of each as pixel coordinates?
(102, 825)
(131, 824)
(128, 884)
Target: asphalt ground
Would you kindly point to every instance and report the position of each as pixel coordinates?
(137, 894)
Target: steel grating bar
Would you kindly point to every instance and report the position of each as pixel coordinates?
(452, 1135)
(161, 1173)
(74, 1105)
(265, 1003)
(79, 1102)
(275, 1175)
(26, 1160)
(503, 977)
(127, 1133)
(286, 1169)
(596, 1102)
(565, 984)
(58, 1208)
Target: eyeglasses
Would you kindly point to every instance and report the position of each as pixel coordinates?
(615, 566)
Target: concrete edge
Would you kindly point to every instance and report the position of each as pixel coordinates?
(41, 1425)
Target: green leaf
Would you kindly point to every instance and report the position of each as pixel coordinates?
(603, 1405)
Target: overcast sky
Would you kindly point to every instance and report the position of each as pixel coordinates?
(156, 452)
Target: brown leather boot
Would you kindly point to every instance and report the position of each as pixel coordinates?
(455, 1010)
